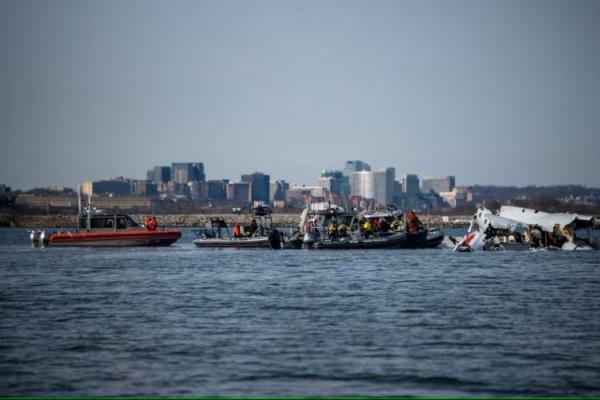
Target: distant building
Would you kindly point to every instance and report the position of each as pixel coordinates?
(362, 184)
(300, 195)
(110, 187)
(216, 190)
(45, 202)
(278, 190)
(354, 166)
(383, 186)
(410, 184)
(144, 188)
(177, 189)
(397, 190)
(260, 186)
(100, 202)
(335, 182)
(238, 193)
(187, 172)
(121, 203)
(438, 184)
(454, 198)
(390, 177)
(374, 185)
(160, 174)
(197, 190)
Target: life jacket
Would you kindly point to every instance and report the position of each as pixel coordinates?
(151, 224)
(412, 217)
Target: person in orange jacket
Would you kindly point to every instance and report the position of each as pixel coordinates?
(236, 230)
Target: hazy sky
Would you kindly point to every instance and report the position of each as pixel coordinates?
(502, 92)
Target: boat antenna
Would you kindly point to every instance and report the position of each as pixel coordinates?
(78, 201)
(78, 205)
(89, 211)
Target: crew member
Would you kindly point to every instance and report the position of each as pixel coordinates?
(367, 227)
(236, 231)
(332, 230)
(343, 230)
(151, 223)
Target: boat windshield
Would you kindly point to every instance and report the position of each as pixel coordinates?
(125, 221)
(325, 220)
(108, 222)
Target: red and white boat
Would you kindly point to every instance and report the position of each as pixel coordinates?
(103, 230)
(97, 229)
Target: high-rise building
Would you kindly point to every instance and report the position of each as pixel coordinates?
(390, 177)
(455, 198)
(113, 187)
(217, 189)
(160, 174)
(354, 166)
(438, 184)
(238, 193)
(335, 182)
(300, 195)
(187, 172)
(278, 190)
(144, 188)
(362, 184)
(178, 189)
(397, 190)
(410, 183)
(383, 185)
(260, 186)
(197, 190)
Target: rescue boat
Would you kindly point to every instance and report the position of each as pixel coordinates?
(257, 233)
(96, 229)
(117, 230)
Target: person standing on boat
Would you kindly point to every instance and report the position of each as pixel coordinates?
(366, 226)
(332, 230)
(342, 230)
(384, 225)
(236, 231)
(253, 228)
(150, 223)
(375, 225)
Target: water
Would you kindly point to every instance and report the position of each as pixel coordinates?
(186, 321)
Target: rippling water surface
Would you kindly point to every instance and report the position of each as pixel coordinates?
(187, 321)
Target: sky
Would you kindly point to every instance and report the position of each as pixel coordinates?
(494, 92)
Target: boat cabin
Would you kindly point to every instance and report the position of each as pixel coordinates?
(108, 222)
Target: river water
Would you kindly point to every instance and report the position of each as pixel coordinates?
(187, 321)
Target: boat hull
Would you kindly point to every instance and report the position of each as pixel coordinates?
(422, 240)
(114, 239)
(260, 242)
(386, 242)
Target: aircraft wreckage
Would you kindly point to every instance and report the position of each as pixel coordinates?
(517, 228)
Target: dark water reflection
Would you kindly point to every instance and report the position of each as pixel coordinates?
(186, 321)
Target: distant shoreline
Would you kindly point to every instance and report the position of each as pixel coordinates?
(192, 220)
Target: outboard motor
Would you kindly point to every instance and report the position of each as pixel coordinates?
(44, 238)
(34, 236)
(275, 240)
(38, 238)
(309, 240)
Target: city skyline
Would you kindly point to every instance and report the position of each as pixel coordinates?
(498, 93)
(239, 177)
